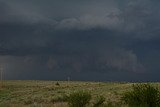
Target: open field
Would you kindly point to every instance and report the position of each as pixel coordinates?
(52, 93)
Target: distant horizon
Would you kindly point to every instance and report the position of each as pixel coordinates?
(105, 81)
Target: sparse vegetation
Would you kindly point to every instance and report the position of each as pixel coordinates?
(48, 94)
(142, 95)
(60, 98)
(79, 99)
(99, 102)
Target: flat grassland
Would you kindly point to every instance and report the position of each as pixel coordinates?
(34, 93)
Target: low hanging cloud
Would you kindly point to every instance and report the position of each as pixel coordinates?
(105, 61)
(124, 60)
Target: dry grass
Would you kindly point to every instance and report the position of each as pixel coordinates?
(49, 94)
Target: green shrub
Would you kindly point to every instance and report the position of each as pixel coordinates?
(79, 99)
(99, 101)
(142, 95)
(60, 98)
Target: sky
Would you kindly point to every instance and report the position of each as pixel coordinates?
(86, 40)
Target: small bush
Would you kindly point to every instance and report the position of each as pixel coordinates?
(57, 84)
(28, 101)
(99, 101)
(142, 95)
(60, 98)
(79, 99)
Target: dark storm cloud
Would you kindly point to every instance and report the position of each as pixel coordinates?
(79, 36)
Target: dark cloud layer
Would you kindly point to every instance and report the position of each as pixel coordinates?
(82, 39)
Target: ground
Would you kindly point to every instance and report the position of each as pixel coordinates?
(36, 93)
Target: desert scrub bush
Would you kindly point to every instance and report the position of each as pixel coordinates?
(142, 95)
(60, 98)
(99, 101)
(79, 99)
(57, 84)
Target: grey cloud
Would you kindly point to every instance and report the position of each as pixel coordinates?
(123, 60)
(102, 61)
(117, 62)
(89, 22)
(79, 37)
(133, 17)
(12, 13)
